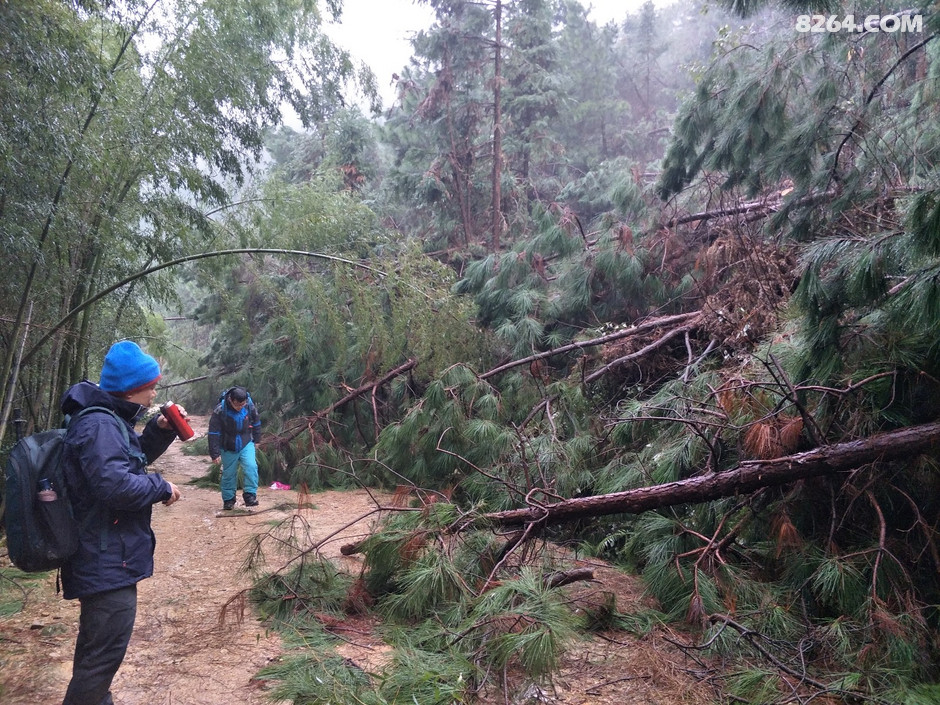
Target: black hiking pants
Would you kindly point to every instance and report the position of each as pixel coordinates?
(104, 630)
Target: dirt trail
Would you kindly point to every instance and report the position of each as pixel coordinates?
(180, 653)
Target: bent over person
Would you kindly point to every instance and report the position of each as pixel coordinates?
(105, 468)
(234, 428)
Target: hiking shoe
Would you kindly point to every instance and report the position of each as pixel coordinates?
(228, 503)
(250, 499)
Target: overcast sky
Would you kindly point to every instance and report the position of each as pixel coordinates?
(377, 31)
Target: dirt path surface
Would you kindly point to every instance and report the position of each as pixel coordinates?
(181, 653)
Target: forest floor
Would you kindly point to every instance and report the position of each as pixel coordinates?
(194, 644)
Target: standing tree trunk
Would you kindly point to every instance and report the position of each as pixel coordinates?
(461, 160)
(497, 131)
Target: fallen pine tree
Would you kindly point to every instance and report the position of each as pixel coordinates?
(404, 565)
(748, 476)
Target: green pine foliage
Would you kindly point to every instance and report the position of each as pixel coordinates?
(429, 676)
(318, 586)
(775, 559)
(554, 285)
(818, 149)
(422, 577)
(307, 677)
(521, 622)
(755, 686)
(918, 695)
(830, 575)
(518, 623)
(454, 429)
(429, 583)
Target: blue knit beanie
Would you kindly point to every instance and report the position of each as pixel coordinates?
(128, 369)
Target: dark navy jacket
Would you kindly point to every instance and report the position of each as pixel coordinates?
(232, 430)
(110, 483)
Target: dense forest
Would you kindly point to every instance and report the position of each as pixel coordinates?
(666, 291)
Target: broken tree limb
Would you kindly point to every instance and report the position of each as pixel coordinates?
(308, 420)
(748, 476)
(650, 324)
(658, 343)
(566, 577)
(351, 549)
(761, 208)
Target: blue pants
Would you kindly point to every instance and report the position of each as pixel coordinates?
(230, 462)
(104, 630)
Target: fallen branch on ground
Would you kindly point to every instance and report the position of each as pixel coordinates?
(566, 577)
(748, 476)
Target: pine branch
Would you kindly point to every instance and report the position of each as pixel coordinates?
(656, 344)
(763, 207)
(871, 97)
(748, 476)
(760, 206)
(809, 421)
(625, 333)
(752, 638)
(566, 577)
(308, 421)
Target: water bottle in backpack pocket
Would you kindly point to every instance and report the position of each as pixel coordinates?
(55, 522)
(42, 532)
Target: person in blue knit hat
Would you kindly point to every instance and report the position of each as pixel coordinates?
(128, 369)
(111, 492)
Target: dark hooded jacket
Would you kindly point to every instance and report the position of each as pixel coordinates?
(231, 429)
(111, 492)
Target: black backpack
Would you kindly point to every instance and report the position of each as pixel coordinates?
(42, 535)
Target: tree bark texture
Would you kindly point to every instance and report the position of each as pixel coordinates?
(747, 477)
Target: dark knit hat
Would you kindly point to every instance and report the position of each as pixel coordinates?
(238, 394)
(128, 369)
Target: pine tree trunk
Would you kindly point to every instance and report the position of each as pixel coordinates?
(747, 477)
(497, 222)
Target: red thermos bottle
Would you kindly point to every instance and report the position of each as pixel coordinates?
(176, 420)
